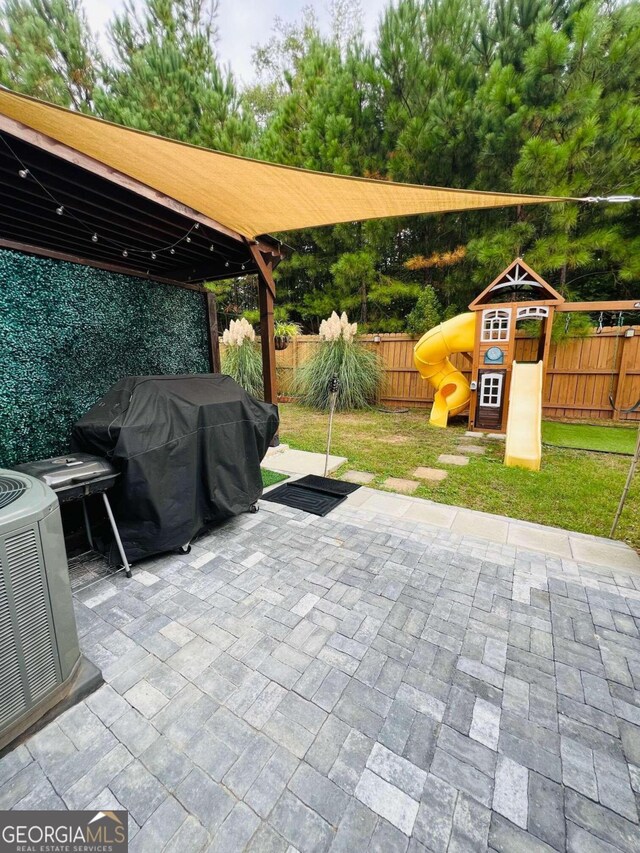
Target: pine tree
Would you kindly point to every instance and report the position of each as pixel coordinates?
(326, 117)
(165, 77)
(47, 50)
(576, 121)
(426, 313)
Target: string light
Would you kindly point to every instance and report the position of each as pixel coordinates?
(60, 209)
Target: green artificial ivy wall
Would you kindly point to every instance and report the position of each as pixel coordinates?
(68, 332)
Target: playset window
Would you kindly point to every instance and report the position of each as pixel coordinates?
(495, 324)
(491, 390)
(532, 311)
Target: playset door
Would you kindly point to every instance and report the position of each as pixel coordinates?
(490, 399)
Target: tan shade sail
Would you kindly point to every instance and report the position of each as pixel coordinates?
(248, 196)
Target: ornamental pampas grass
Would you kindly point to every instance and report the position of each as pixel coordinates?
(358, 369)
(238, 332)
(241, 360)
(336, 327)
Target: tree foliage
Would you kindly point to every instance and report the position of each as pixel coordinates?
(48, 51)
(535, 96)
(165, 77)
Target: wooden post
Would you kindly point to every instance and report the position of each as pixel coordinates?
(266, 296)
(545, 350)
(621, 369)
(211, 307)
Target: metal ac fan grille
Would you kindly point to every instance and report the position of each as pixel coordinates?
(10, 490)
(32, 614)
(12, 695)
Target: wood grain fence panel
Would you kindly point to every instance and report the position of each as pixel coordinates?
(581, 375)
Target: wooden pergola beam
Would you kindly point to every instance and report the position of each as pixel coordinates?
(58, 149)
(615, 305)
(84, 161)
(44, 252)
(213, 339)
(266, 297)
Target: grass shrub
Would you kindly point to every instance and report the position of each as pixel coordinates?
(358, 369)
(244, 364)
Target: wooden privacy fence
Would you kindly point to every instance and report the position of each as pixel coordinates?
(581, 374)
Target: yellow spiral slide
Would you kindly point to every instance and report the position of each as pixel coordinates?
(430, 356)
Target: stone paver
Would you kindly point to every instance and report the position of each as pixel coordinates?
(526, 537)
(398, 484)
(552, 542)
(476, 524)
(434, 475)
(473, 449)
(363, 478)
(385, 678)
(588, 551)
(431, 513)
(453, 459)
(292, 461)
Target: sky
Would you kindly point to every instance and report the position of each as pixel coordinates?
(244, 23)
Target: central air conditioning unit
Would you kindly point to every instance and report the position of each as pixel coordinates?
(39, 652)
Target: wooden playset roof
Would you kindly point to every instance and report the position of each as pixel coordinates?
(523, 283)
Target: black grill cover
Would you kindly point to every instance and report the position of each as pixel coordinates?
(188, 448)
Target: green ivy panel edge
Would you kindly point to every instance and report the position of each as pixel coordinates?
(68, 332)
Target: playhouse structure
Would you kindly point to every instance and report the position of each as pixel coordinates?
(503, 396)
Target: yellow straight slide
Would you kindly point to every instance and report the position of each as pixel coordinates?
(430, 356)
(524, 424)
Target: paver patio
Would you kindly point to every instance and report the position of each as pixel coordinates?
(363, 681)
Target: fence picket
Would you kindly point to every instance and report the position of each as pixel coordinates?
(578, 375)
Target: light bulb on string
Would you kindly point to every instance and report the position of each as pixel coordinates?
(211, 249)
(24, 173)
(226, 263)
(242, 266)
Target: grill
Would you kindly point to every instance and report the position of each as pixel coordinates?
(73, 477)
(76, 477)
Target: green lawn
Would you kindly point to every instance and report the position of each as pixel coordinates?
(270, 478)
(612, 439)
(575, 489)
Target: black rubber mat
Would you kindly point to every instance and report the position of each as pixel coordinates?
(326, 484)
(304, 498)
